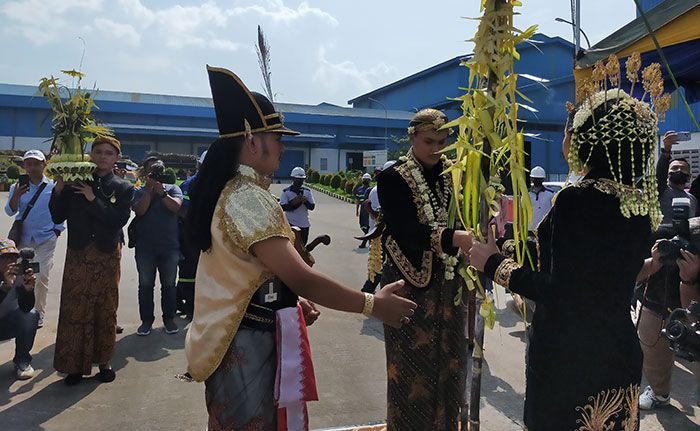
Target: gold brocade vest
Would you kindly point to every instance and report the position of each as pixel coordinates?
(228, 274)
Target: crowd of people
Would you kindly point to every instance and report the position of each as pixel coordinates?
(96, 214)
(247, 284)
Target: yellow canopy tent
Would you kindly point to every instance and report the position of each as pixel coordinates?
(676, 25)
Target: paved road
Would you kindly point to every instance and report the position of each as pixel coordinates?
(348, 354)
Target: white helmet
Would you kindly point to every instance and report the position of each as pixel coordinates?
(388, 164)
(538, 172)
(298, 173)
(367, 177)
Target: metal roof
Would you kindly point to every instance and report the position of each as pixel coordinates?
(324, 108)
(537, 38)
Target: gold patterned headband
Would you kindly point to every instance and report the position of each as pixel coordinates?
(424, 126)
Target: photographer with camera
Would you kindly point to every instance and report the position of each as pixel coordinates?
(18, 319)
(154, 234)
(29, 203)
(662, 291)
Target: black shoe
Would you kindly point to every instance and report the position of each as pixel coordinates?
(363, 245)
(73, 379)
(107, 375)
(170, 326)
(119, 329)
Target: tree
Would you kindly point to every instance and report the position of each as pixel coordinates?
(400, 148)
(13, 172)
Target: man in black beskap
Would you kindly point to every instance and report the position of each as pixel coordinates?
(18, 319)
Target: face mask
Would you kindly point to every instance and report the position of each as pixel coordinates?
(537, 182)
(298, 183)
(678, 178)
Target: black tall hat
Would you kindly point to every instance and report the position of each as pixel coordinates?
(235, 105)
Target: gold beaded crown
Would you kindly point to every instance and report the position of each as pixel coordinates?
(428, 119)
(609, 119)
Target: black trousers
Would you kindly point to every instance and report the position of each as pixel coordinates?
(304, 234)
(187, 272)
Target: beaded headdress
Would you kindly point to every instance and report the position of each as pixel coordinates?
(426, 120)
(612, 120)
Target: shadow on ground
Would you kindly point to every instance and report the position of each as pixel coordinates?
(55, 398)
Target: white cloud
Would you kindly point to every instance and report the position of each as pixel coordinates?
(278, 12)
(124, 32)
(226, 45)
(43, 21)
(347, 75)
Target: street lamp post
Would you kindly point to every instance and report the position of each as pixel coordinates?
(588, 42)
(386, 122)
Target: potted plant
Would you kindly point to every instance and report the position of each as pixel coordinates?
(73, 127)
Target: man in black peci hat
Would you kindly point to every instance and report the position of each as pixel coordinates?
(248, 320)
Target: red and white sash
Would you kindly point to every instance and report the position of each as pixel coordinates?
(295, 383)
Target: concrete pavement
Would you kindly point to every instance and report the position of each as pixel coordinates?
(348, 353)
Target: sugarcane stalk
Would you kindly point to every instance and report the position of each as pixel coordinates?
(484, 219)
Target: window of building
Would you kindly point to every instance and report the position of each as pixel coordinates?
(324, 163)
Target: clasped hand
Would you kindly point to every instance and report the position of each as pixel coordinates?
(477, 252)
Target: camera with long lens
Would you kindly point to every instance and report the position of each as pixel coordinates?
(157, 172)
(683, 332)
(26, 261)
(679, 230)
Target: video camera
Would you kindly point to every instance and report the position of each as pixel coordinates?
(683, 335)
(679, 230)
(157, 172)
(26, 256)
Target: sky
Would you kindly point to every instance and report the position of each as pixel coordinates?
(321, 50)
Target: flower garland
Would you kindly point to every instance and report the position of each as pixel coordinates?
(432, 207)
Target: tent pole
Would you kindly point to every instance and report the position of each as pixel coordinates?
(577, 28)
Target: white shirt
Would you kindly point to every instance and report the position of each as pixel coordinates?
(300, 216)
(374, 204)
(541, 204)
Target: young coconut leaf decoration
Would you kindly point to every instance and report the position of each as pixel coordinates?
(488, 145)
(73, 127)
(489, 142)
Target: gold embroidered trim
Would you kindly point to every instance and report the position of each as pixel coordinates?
(504, 271)
(250, 173)
(609, 187)
(218, 355)
(418, 278)
(436, 240)
(232, 236)
(258, 319)
(600, 412)
(632, 200)
(272, 128)
(508, 248)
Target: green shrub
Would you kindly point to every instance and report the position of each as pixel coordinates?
(13, 172)
(171, 174)
(343, 181)
(335, 181)
(350, 188)
(314, 177)
(325, 179)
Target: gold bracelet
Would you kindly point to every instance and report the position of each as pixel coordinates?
(369, 305)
